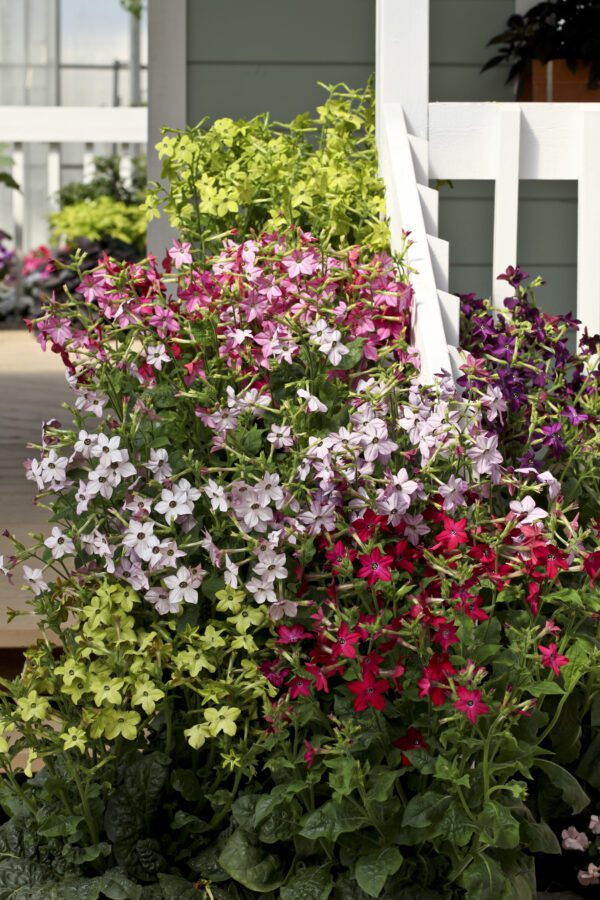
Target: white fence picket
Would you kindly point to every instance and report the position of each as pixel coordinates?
(506, 196)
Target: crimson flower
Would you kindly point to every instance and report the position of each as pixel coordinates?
(375, 566)
(412, 740)
(292, 634)
(366, 527)
(345, 644)
(309, 754)
(552, 659)
(591, 564)
(552, 558)
(320, 677)
(533, 597)
(445, 632)
(435, 677)
(299, 687)
(453, 534)
(369, 691)
(470, 703)
(370, 663)
(338, 554)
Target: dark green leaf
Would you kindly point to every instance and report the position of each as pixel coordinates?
(484, 880)
(176, 888)
(498, 827)
(424, 809)
(539, 837)
(249, 865)
(372, 871)
(312, 883)
(569, 787)
(331, 820)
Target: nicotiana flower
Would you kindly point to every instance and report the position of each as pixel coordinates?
(59, 543)
(183, 585)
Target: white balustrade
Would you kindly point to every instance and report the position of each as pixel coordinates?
(54, 126)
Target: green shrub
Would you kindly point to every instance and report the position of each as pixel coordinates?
(98, 219)
(107, 181)
(319, 173)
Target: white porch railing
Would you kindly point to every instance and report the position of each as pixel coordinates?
(56, 125)
(500, 142)
(507, 142)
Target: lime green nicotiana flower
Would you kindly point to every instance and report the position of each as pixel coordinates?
(74, 738)
(146, 695)
(222, 720)
(120, 723)
(33, 707)
(197, 736)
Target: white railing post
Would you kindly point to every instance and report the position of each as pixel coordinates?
(506, 198)
(402, 59)
(588, 223)
(89, 167)
(18, 197)
(53, 175)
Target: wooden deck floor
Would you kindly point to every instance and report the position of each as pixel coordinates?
(32, 388)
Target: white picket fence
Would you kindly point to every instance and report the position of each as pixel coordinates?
(54, 126)
(504, 143)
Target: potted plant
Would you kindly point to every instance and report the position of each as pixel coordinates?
(553, 51)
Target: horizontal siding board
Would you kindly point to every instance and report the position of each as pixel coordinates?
(557, 297)
(265, 30)
(460, 29)
(245, 90)
(458, 82)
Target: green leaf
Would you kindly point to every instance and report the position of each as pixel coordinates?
(542, 688)
(539, 837)
(116, 886)
(249, 865)
(424, 809)
(331, 820)
(373, 870)
(185, 782)
(281, 824)
(243, 810)
(312, 883)
(380, 784)
(484, 880)
(457, 827)
(589, 768)
(354, 356)
(176, 888)
(571, 790)
(498, 827)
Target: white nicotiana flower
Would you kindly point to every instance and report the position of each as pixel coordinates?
(262, 591)
(35, 579)
(216, 495)
(182, 586)
(270, 566)
(158, 464)
(59, 543)
(280, 436)
(141, 538)
(156, 355)
(528, 510)
(172, 505)
(85, 444)
(107, 449)
(313, 404)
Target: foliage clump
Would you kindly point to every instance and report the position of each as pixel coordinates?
(319, 173)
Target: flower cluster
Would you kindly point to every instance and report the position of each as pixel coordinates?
(273, 548)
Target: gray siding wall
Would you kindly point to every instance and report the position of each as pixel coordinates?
(249, 56)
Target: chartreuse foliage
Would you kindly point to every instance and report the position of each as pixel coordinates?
(100, 218)
(316, 172)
